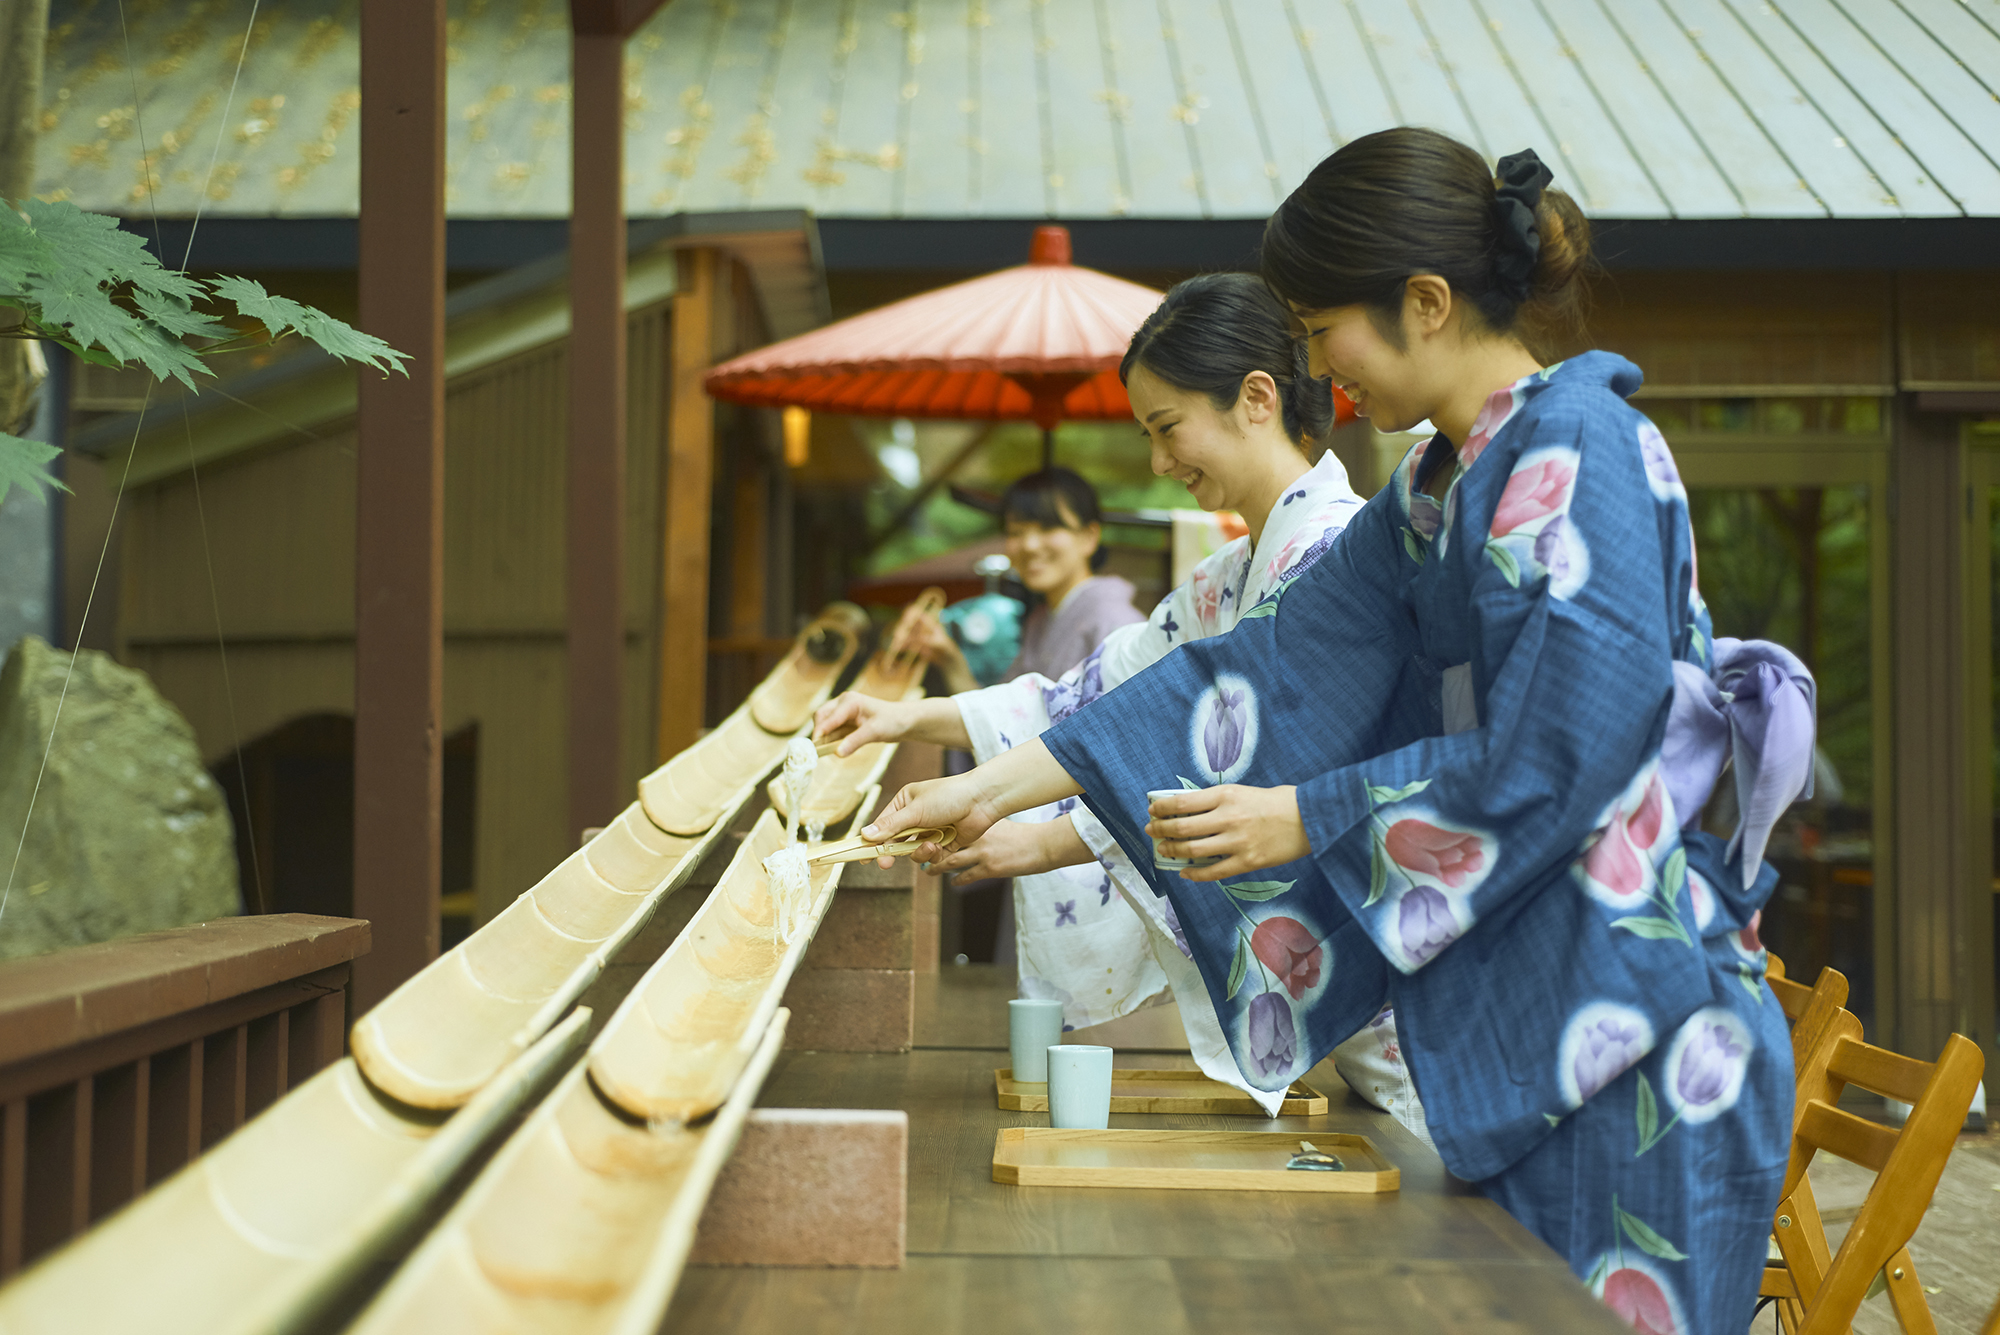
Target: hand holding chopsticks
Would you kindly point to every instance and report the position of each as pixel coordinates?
(855, 849)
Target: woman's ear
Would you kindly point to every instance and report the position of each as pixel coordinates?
(1427, 304)
(1259, 398)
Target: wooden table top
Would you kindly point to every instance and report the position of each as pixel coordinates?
(986, 1257)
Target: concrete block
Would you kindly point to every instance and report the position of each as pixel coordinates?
(851, 1010)
(863, 929)
(811, 1187)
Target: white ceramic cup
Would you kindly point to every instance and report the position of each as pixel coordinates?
(1079, 1086)
(1033, 1026)
(1160, 860)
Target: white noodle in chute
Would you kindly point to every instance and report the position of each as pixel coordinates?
(790, 877)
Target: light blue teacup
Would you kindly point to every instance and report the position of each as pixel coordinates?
(1033, 1025)
(1079, 1086)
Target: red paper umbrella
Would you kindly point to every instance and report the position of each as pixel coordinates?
(1039, 342)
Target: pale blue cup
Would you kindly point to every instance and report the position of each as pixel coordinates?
(1079, 1087)
(1033, 1026)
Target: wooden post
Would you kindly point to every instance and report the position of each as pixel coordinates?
(596, 476)
(1944, 904)
(689, 480)
(399, 509)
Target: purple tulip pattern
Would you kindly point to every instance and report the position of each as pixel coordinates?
(1600, 1043)
(1704, 1073)
(1661, 473)
(1225, 729)
(1425, 924)
(1274, 1044)
(1438, 867)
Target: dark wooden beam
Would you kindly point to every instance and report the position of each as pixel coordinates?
(399, 506)
(611, 18)
(687, 486)
(1942, 980)
(596, 478)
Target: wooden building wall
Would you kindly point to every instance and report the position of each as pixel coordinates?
(280, 535)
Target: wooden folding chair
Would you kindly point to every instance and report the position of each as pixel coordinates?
(1818, 1297)
(1813, 1079)
(1807, 1009)
(1992, 1326)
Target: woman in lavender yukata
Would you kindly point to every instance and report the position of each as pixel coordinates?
(1224, 397)
(1465, 755)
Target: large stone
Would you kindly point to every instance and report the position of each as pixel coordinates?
(129, 833)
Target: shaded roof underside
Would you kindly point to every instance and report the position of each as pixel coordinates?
(1084, 108)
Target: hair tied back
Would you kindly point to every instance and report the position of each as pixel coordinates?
(1521, 179)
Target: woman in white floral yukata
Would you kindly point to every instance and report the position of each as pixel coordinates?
(1222, 394)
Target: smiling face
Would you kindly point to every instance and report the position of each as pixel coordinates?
(1051, 560)
(1206, 449)
(1393, 387)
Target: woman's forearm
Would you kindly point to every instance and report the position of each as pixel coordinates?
(1017, 780)
(937, 720)
(1062, 846)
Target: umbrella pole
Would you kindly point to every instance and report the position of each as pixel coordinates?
(1048, 447)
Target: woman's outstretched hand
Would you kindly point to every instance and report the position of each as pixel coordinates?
(954, 801)
(1249, 828)
(859, 719)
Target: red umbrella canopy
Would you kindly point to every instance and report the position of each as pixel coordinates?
(1039, 342)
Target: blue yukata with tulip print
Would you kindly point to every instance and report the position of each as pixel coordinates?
(1471, 698)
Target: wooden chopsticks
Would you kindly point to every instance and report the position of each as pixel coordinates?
(854, 848)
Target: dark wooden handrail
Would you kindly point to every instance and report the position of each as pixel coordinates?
(121, 1062)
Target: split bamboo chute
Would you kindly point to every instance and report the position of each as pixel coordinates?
(281, 1221)
(444, 1033)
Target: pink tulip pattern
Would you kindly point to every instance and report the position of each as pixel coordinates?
(1632, 1285)
(1290, 952)
(1616, 868)
(1531, 532)
(1424, 918)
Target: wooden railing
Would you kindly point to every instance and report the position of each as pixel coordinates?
(121, 1062)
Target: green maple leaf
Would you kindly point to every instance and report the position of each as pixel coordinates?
(22, 253)
(281, 316)
(176, 316)
(25, 463)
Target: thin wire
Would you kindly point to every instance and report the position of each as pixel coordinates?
(118, 498)
(259, 904)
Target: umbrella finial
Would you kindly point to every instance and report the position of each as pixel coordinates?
(1050, 246)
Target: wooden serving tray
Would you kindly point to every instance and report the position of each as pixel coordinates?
(1141, 1090)
(1038, 1156)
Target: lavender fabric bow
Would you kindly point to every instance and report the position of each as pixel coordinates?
(1755, 709)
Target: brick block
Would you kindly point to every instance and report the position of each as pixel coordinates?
(851, 1010)
(811, 1187)
(863, 929)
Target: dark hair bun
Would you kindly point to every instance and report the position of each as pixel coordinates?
(1411, 201)
(1212, 331)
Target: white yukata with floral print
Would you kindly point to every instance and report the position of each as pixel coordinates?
(1095, 936)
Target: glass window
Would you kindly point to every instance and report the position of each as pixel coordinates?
(1791, 564)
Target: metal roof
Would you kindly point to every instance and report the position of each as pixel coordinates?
(1062, 108)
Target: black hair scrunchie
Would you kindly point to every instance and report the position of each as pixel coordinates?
(1522, 177)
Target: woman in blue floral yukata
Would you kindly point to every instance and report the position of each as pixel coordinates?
(1462, 757)
(1226, 401)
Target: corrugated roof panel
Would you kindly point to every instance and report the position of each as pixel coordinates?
(1667, 148)
(1768, 184)
(1902, 182)
(1812, 144)
(1010, 159)
(1086, 167)
(934, 108)
(1165, 180)
(936, 182)
(1933, 139)
(1919, 86)
(1364, 98)
(1598, 165)
(1282, 88)
(1424, 91)
(1969, 29)
(1488, 83)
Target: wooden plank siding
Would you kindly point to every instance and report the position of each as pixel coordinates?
(280, 540)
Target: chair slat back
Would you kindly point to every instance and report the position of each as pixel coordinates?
(1817, 1082)
(1909, 1164)
(1880, 1071)
(1808, 1009)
